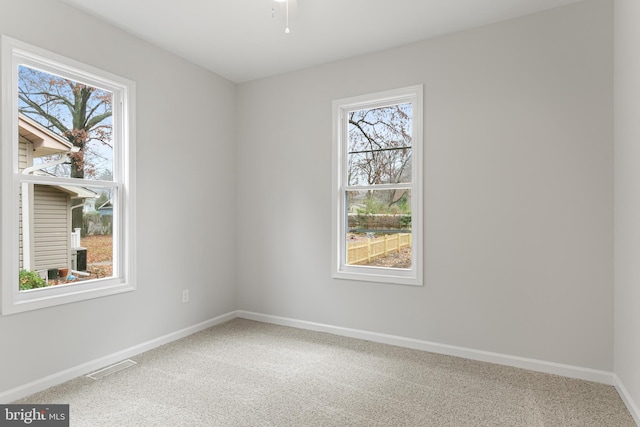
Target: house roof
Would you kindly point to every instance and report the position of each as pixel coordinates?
(44, 141)
(78, 192)
(106, 205)
(72, 190)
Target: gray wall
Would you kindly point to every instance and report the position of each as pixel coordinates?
(518, 190)
(627, 194)
(518, 194)
(185, 133)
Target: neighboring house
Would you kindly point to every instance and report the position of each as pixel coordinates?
(45, 210)
(106, 209)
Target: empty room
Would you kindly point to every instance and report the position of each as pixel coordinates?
(320, 213)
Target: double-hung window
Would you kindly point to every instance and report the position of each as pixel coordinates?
(67, 175)
(377, 187)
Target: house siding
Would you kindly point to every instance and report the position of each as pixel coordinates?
(23, 157)
(51, 240)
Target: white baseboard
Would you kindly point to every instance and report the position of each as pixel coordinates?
(71, 373)
(626, 398)
(570, 371)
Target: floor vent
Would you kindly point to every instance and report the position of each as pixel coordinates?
(111, 369)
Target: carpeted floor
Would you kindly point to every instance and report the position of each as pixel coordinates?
(245, 373)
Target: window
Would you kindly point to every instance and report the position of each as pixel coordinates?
(67, 180)
(377, 202)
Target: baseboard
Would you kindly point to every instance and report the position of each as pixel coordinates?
(570, 371)
(69, 374)
(626, 398)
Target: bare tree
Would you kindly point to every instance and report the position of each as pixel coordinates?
(379, 149)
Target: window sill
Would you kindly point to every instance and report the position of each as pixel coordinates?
(385, 275)
(63, 294)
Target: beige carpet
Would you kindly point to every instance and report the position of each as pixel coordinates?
(245, 373)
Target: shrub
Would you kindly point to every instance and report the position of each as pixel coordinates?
(31, 280)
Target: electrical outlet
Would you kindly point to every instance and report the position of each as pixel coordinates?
(185, 295)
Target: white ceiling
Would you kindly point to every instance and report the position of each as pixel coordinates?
(240, 40)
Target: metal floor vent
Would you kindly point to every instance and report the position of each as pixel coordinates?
(111, 369)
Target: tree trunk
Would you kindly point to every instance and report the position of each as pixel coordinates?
(77, 171)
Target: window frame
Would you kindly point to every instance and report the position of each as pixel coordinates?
(15, 53)
(340, 109)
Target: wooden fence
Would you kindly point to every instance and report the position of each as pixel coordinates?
(365, 251)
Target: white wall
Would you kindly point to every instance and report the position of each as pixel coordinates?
(518, 190)
(627, 198)
(185, 132)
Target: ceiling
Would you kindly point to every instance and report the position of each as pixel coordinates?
(240, 40)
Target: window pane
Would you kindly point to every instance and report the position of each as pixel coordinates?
(67, 126)
(51, 251)
(379, 228)
(379, 145)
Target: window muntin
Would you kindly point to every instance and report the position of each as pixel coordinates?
(377, 182)
(66, 175)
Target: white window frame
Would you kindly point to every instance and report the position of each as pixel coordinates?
(15, 53)
(341, 108)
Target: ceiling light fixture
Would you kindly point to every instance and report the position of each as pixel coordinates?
(286, 2)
